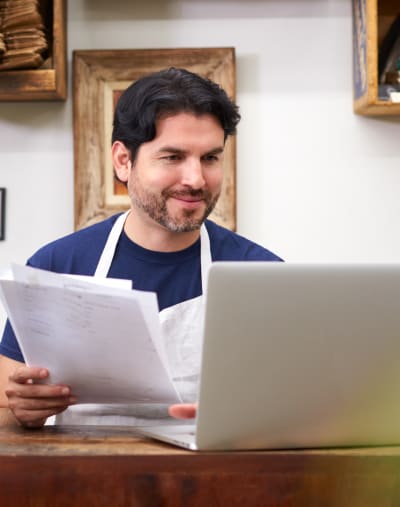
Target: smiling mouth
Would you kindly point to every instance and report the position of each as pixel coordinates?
(189, 202)
(189, 197)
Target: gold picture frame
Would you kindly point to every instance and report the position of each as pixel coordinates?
(98, 77)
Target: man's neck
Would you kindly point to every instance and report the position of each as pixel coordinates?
(153, 236)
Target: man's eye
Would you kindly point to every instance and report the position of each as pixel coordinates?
(172, 158)
(211, 158)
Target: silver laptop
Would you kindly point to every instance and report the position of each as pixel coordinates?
(297, 356)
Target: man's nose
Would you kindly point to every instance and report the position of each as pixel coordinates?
(192, 174)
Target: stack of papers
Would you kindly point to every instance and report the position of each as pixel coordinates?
(23, 41)
(96, 335)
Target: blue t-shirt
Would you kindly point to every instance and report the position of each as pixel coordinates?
(174, 276)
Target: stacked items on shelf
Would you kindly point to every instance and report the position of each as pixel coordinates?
(23, 42)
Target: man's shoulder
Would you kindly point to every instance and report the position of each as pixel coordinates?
(228, 245)
(77, 252)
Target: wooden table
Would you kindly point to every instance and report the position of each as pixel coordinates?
(109, 466)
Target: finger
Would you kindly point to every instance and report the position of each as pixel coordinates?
(36, 404)
(37, 391)
(183, 411)
(36, 418)
(34, 412)
(23, 373)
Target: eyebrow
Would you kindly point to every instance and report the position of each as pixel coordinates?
(215, 151)
(177, 151)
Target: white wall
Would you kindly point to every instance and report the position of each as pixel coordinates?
(315, 181)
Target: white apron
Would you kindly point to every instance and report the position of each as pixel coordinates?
(182, 327)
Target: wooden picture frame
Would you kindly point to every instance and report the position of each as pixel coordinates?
(2, 214)
(371, 22)
(49, 83)
(98, 77)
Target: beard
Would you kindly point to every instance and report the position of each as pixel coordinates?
(155, 206)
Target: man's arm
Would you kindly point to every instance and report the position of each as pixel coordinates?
(25, 402)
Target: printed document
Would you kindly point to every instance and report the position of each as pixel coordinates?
(96, 335)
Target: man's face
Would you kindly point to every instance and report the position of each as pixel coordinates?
(176, 178)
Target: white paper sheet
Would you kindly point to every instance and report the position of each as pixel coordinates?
(104, 342)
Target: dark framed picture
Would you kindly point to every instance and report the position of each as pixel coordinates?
(2, 213)
(100, 76)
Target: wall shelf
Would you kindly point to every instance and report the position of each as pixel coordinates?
(371, 22)
(48, 83)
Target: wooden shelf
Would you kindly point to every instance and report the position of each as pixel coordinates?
(371, 21)
(42, 84)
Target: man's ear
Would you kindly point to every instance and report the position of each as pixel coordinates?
(121, 159)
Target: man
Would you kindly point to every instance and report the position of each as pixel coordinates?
(168, 141)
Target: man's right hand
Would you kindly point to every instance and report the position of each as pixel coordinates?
(30, 402)
(183, 410)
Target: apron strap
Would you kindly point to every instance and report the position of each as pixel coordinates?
(205, 257)
(103, 267)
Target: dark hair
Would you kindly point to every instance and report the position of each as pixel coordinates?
(166, 93)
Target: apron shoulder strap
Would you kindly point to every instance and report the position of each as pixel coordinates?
(104, 264)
